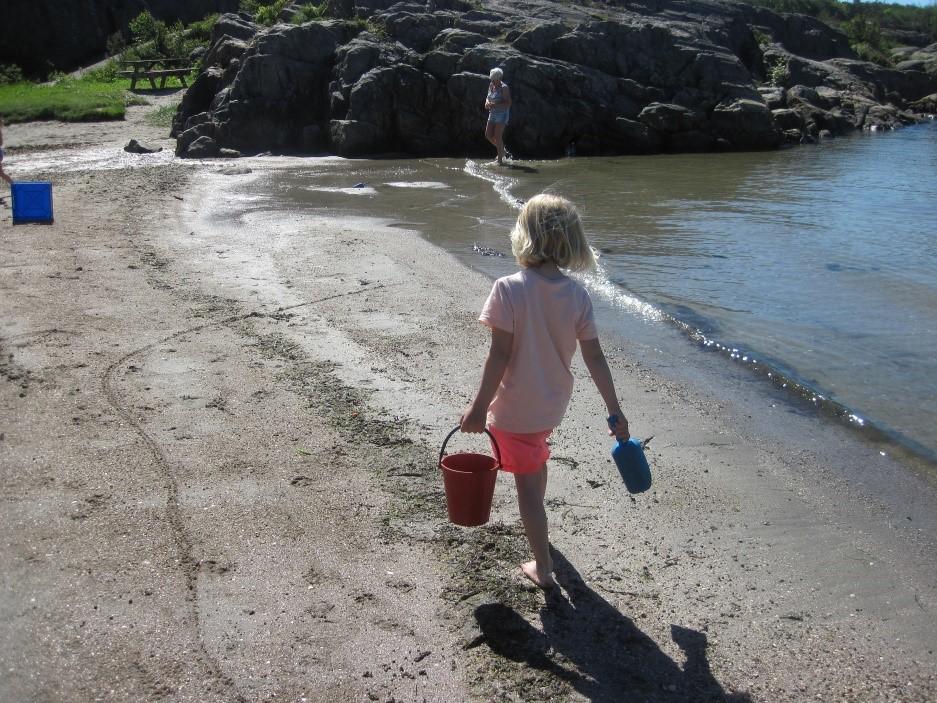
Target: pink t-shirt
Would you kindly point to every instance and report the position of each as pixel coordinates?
(547, 316)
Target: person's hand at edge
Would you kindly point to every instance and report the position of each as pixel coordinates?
(620, 428)
(473, 421)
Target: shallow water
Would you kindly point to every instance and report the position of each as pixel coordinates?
(816, 265)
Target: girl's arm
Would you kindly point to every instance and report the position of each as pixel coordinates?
(594, 357)
(505, 96)
(499, 354)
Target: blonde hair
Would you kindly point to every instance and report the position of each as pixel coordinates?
(496, 74)
(549, 229)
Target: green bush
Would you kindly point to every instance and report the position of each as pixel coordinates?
(153, 39)
(867, 52)
(268, 14)
(310, 12)
(778, 73)
(10, 73)
(144, 27)
(106, 73)
(161, 117)
(201, 30)
(864, 30)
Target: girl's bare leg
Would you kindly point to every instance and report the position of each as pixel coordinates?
(530, 492)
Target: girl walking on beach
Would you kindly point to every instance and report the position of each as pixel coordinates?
(536, 317)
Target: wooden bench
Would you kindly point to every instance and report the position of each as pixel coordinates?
(151, 69)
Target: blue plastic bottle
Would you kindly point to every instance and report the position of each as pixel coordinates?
(631, 462)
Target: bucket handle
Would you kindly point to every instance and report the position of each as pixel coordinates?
(494, 443)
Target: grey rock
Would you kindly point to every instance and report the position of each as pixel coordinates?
(198, 98)
(415, 30)
(638, 137)
(354, 138)
(456, 41)
(539, 39)
(440, 64)
(788, 119)
(746, 123)
(197, 119)
(927, 104)
(135, 147)
(668, 118)
(234, 26)
(202, 148)
(189, 136)
(691, 141)
(225, 50)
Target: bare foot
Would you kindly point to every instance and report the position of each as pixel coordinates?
(544, 581)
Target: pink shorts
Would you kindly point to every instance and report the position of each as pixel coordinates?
(521, 453)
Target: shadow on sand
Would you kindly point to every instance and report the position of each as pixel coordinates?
(602, 654)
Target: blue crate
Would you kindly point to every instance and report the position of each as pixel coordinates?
(32, 202)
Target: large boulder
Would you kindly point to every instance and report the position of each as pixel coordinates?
(235, 26)
(279, 89)
(198, 98)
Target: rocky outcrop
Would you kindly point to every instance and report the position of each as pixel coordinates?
(39, 35)
(917, 59)
(687, 75)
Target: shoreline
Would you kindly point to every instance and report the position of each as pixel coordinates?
(241, 364)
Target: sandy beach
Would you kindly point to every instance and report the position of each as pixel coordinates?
(219, 431)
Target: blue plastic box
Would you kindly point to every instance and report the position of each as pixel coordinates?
(32, 202)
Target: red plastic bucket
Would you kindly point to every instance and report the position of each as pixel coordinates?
(470, 483)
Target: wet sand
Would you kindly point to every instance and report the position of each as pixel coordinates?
(219, 437)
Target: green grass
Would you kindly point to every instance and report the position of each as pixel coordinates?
(68, 100)
(161, 116)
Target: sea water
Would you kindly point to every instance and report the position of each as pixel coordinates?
(815, 267)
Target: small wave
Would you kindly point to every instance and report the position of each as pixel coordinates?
(431, 185)
(615, 295)
(502, 184)
(350, 190)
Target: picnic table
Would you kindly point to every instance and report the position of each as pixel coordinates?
(151, 69)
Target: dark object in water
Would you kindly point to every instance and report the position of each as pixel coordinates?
(485, 251)
(360, 185)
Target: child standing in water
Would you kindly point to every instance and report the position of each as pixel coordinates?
(536, 317)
